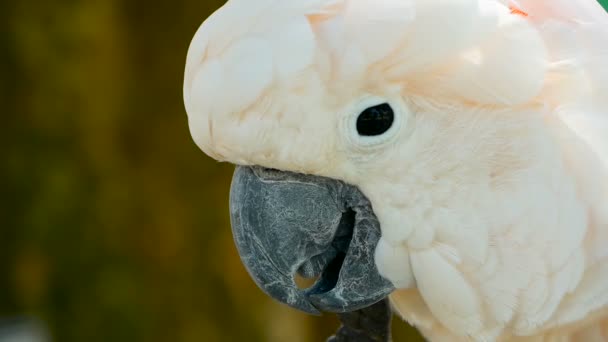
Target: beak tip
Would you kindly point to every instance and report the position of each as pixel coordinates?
(315, 313)
(326, 303)
(286, 292)
(350, 297)
(336, 304)
(306, 307)
(304, 304)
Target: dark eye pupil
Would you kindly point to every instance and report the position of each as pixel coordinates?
(375, 120)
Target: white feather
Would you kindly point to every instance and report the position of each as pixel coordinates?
(493, 193)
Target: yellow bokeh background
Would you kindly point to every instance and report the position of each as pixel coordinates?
(115, 226)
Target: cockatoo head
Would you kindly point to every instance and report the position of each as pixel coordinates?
(335, 107)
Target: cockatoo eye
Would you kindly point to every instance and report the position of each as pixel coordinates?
(375, 120)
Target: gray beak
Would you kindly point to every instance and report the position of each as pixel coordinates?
(286, 223)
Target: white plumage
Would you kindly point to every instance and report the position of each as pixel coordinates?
(491, 188)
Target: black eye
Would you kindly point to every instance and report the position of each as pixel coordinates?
(375, 120)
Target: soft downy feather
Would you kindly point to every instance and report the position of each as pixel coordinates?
(573, 95)
(576, 34)
(502, 246)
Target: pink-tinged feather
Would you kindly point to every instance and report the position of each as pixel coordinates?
(493, 192)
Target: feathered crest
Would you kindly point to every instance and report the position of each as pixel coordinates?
(576, 35)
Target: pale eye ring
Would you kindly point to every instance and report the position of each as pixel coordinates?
(374, 121)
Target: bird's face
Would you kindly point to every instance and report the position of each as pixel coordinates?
(307, 218)
(247, 108)
(335, 110)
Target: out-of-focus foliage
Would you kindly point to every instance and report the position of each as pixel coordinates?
(114, 225)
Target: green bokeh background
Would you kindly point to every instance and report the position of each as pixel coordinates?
(114, 225)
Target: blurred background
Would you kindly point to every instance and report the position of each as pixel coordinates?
(114, 225)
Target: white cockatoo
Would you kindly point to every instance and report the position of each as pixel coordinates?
(476, 131)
